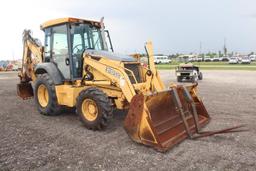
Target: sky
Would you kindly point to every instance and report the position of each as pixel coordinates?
(174, 26)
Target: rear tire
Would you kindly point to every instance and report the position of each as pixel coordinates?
(94, 108)
(200, 76)
(45, 96)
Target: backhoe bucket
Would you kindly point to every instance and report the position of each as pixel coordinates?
(25, 90)
(163, 119)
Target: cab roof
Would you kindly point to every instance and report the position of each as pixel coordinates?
(186, 65)
(58, 21)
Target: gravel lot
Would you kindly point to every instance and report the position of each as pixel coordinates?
(30, 141)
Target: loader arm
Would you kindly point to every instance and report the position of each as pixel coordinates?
(156, 80)
(116, 75)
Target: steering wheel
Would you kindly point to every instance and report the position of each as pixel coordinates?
(76, 47)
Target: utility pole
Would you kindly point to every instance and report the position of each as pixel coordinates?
(200, 51)
(225, 48)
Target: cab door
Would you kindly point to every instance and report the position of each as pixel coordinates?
(60, 52)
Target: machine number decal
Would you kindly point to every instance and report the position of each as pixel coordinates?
(113, 72)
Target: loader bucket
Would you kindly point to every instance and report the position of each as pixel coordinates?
(157, 120)
(25, 90)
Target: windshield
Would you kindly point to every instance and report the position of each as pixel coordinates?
(187, 68)
(82, 37)
(85, 36)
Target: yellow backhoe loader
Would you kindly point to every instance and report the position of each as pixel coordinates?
(76, 68)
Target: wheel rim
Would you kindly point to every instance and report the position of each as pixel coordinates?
(43, 95)
(89, 109)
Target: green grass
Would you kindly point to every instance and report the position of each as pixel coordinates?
(212, 66)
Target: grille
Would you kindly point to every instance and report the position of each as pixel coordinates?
(135, 69)
(185, 74)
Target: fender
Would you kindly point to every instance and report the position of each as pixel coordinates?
(52, 70)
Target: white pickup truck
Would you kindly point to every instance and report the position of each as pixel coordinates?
(188, 72)
(246, 60)
(162, 60)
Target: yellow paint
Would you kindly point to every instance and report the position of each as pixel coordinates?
(58, 21)
(43, 95)
(32, 55)
(100, 68)
(89, 109)
(156, 81)
(145, 127)
(67, 94)
(98, 83)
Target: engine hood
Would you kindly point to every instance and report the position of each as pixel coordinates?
(110, 55)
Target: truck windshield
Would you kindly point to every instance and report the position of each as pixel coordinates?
(85, 36)
(187, 68)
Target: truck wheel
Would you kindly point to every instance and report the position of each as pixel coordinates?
(200, 76)
(179, 79)
(45, 96)
(193, 79)
(94, 108)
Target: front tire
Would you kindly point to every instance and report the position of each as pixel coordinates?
(45, 96)
(94, 108)
(179, 79)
